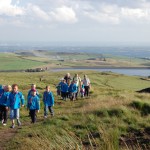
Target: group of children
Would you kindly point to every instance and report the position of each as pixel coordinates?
(11, 99)
(71, 87)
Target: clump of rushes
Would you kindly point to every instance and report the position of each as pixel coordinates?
(110, 112)
(144, 108)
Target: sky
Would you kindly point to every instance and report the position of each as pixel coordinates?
(85, 21)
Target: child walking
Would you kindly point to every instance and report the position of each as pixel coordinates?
(33, 87)
(58, 87)
(87, 85)
(77, 81)
(73, 90)
(4, 94)
(64, 89)
(33, 105)
(68, 83)
(48, 100)
(82, 89)
(15, 99)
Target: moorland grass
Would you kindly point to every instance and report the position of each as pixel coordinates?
(97, 122)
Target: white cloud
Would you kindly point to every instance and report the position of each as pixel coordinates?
(105, 14)
(135, 13)
(64, 14)
(30, 13)
(5, 3)
(37, 12)
(73, 11)
(114, 14)
(103, 17)
(65, 19)
(6, 8)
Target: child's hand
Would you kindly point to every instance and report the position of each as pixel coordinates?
(37, 111)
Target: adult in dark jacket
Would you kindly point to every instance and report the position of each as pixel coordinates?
(67, 77)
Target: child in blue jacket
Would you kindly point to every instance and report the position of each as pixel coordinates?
(15, 99)
(82, 89)
(33, 87)
(64, 89)
(48, 100)
(59, 87)
(33, 105)
(73, 90)
(1, 86)
(4, 94)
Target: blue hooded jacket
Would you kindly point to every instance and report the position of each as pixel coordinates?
(15, 99)
(59, 85)
(3, 97)
(33, 103)
(73, 88)
(64, 87)
(48, 98)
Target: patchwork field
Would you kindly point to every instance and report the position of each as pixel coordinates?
(113, 117)
(21, 60)
(12, 61)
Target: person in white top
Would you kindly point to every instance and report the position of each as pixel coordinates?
(77, 81)
(86, 83)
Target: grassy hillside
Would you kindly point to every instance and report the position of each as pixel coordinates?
(114, 117)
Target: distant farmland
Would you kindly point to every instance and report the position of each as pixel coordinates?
(22, 60)
(14, 62)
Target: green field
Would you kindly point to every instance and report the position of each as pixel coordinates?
(114, 117)
(13, 62)
(27, 60)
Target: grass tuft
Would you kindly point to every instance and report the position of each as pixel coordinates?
(144, 108)
(117, 112)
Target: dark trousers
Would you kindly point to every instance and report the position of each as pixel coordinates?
(33, 115)
(46, 108)
(76, 95)
(67, 94)
(87, 88)
(64, 95)
(58, 92)
(3, 113)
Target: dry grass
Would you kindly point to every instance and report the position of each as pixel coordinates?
(96, 122)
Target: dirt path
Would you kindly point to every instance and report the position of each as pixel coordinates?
(6, 134)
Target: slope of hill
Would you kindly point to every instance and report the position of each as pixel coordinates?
(113, 117)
